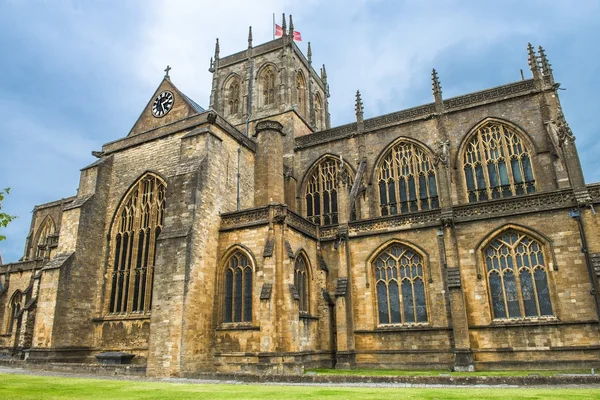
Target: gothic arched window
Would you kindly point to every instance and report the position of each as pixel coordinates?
(301, 91)
(268, 86)
(318, 112)
(321, 195)
(45, 233)
(400, 284)
(137, 224)
(406, 180)
(301, 283)
(517, 278)
(238, 289)
(16, 305)
(233, 96)
(497, 164)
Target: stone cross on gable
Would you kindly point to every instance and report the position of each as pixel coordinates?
(167, 71)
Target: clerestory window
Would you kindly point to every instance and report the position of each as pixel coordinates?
(407, 181)
(497, 164)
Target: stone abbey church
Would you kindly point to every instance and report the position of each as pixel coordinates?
(251, 236)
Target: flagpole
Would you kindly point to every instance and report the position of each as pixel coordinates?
(273, 26)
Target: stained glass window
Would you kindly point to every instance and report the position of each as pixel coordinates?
(400, 286)
(238, 289)
(138, 222)
(322, 192)
(517, 276)
(407, 180)
(497, 164)
(301, 283)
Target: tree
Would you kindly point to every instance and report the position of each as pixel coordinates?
(4, 217)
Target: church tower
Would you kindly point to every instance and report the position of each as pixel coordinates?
(271, 81)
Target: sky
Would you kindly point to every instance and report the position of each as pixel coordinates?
(76, 74)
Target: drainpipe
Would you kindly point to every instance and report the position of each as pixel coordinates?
(575, 214)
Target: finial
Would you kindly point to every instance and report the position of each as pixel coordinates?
(359, 107)
(211, 67)
(323, 74)
(309, 54)
(291, 26)
(249, 37)
(167, 71)
(546, 66)
(217, 50)
(437, 88)
(284, 26)
(532, 61)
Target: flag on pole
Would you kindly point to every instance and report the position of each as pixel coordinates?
(279, 33)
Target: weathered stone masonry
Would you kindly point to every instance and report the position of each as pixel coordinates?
(455, 234)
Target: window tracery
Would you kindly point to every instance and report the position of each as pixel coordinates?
(301, 283)
(137, 224)
(407, 180)
(400, 286)
(301, 93)
(46, 232)
(268, 86)
(318, 112)
(16, 305)
(233, 96)
(517, 277)
(238, 289)
(497, 164)
(321, 196)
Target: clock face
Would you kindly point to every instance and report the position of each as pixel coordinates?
(163, 103)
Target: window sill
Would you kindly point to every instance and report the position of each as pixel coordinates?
(524, 321)
(404, 328)
(237, 326)
(308, 317)
(121, 317)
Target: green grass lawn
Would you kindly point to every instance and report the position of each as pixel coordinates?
(437, 372)
(49, 387)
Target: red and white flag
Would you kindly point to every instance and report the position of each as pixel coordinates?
(279, 33)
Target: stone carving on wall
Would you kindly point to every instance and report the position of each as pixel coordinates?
(491, 94)
(544, 201)
(244, 218)
(442, 154)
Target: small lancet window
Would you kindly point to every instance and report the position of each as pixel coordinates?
(517, 278)
(497, 164)
(16, 305)
(407, 181)
(268, 86)
(233, 96)
(301, 91)
(238, 289)
(301, 283)
(400, 286)
(322, 189)
(137, 224)
(45, 238)
(318, 112)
